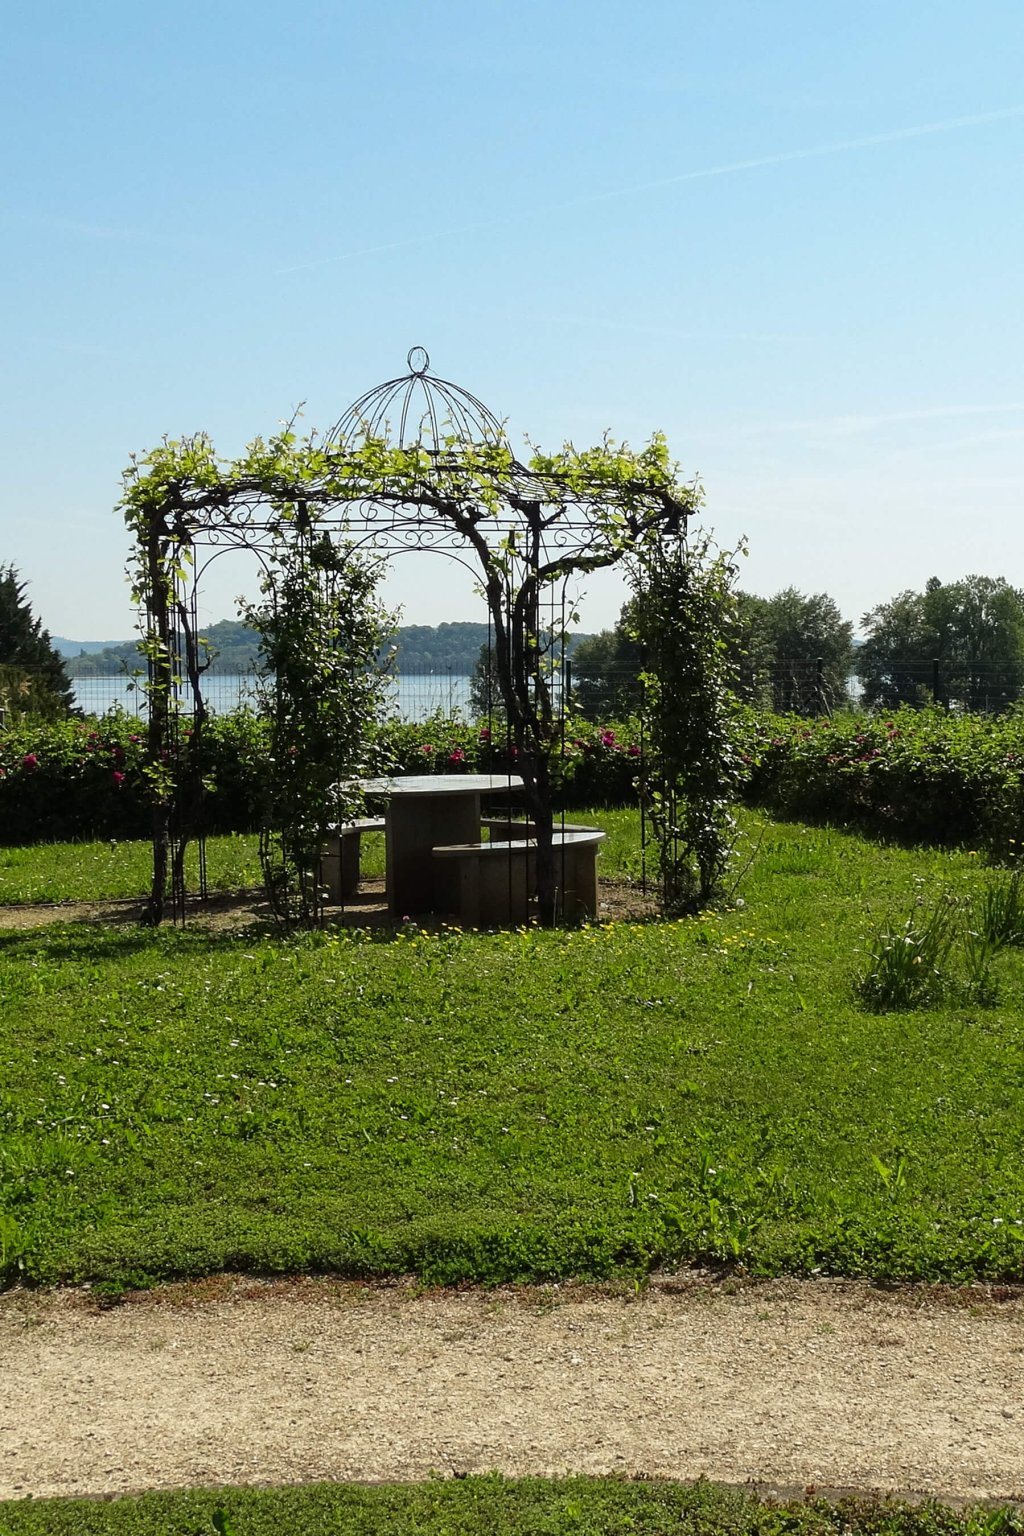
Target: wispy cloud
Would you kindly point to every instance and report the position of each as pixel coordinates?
(103, 234)
(728, 168)
(947, 445)
(840, 146)
(394, 245)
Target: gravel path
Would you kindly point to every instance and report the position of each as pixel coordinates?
(786, 1383)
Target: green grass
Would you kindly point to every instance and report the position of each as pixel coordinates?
(111, 871)
(495, 1506)
(101, 871)
(513, 1105)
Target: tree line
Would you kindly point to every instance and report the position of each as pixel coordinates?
(232, 646)
(957, 643)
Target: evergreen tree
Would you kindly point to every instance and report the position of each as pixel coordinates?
(32, 675)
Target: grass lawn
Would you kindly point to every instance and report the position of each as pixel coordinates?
(513, 1105)
(110, 871)
(495, 1506)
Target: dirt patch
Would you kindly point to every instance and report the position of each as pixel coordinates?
(783, 1383)
(619, 901)
(228, 910)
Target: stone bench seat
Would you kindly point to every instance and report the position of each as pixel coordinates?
(499, 827)
(498, 880)
(339, 856)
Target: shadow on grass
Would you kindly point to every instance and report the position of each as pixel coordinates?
(81, 939)
(884, 831)
(115, 927)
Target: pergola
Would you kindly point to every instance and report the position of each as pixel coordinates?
(416, 463)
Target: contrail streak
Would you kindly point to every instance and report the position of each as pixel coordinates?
(730, 168)
(867, 141)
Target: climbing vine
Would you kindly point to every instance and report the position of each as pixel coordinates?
(321, 630)
(683, 614)
(530, 530)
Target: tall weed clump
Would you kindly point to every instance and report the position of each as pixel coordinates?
(1000, 909)
(908, 963)
(946, 954)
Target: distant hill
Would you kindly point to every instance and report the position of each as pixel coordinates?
(73, 647)
(232, 645)
(446, 647)
(422, 648)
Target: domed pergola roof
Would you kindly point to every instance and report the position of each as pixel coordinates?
(418, 409)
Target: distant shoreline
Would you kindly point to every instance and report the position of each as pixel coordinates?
(421, 650)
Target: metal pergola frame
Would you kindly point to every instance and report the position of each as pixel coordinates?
(524, 531)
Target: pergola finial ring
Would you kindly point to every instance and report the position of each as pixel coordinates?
(418, 360)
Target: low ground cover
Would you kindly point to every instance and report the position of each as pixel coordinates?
(113, 870)
(497, 1506)
(514, 1105)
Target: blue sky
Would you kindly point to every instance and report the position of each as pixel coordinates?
(789, 235)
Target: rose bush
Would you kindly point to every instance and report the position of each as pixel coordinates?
(68, 779)
(917, 775)
(925, 776)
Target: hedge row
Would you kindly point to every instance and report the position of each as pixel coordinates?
(73, 779)
(599, 764)
(917, 775)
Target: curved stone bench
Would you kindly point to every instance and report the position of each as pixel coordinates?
(339, 857)
(499, 827)
(497, 881)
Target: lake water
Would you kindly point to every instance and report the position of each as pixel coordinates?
(412, 698)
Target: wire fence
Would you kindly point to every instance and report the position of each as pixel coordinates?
(615, 692)
(814, 687)
(409, 698)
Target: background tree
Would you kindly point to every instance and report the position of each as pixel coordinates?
(606, 671)
(783, 639)
(961, 643)
(32, 675)
(484, 687)
(897, 664)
